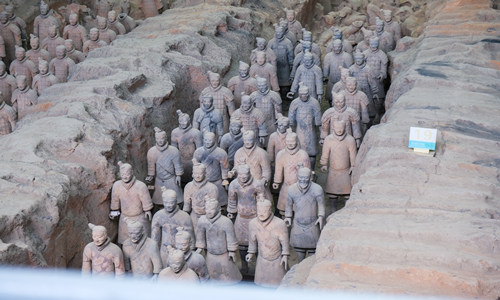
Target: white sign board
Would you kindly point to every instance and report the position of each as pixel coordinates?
(422, 138)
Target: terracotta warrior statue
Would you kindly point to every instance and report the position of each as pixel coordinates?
(265, 70)
(217, 166)
(196, 191)
(340, 86)
(2, 49)
(365, 43)
(61, 66)
(277, 139)
(141, 255)
(36, 53)
(150, 8)
(262, 46)
(44, 79)
(215, 233)
(254, 156)
(233, 140)
(114, 24)
(293, 25)
(299, 58)
(338, 35)
(75, 55)
(269, 236)
(177, 269)
(105, 34)
(252, 118)
(310, 75)
(7, 117)
(287, 162)
(358, 101)
(223, 98)
(9, 9)
(308, 37)
(377, 60)
(283, 49)
(242, 83)
(366, 82)
(208, 118)
(93, 42)
(131, 201)
(305, 115)
(22, 66)
(268, 102)
(11, 35)
(305, 213)
(101, 257)
(75, 32)
(51, 42)
(23, 97)
(7, 84)
(188, 139)
(338, 157)
(391, 25)
(194, 260)
(331, 67)
(164, 167)
(288, 34)
(340, 111)
(243, 194)
(386, 40)
(127, 21)
(166, 221)
(43, 22)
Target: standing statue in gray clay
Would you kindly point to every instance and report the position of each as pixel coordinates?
(338, 157)
(331, 67)
(337, 35)
(283, 49)
(188, 139)
(36, 53)
(310, 75)
(365, 43)
(252, 118)
(242, 83)
(75, 32)
(43, 22)
(141, 255)
(51, 42)
(340, 111)
(308, 37)
(377, 60)
(277, 140)
(268, 102)
(23, 98)
(166, 221)
(233, 140)
(7, 84)
(269, 236)
(358, 101)
(177, 269)
(101, 257)
(93, 42)
(127, 21)
(114, 24)
(391, 26)
(223, 99)
(305, 213)
(340, 86)
(288, 34)
(305, 115)
(150, 8)
(288, 161)
(242, 205)
(194, 260)
(61, 66)
(262, 46)
(293, 25)
(217, 166)
(299, 59)
(208, 118)
(366, 82)
(22, 66)
(105, 34)
(44, 79)
(131, 201)
(71, 52)
(101, 7)
(215, 234)
(164, 167)
(263, 69)
(7, 117)
(9, 9)
(196, 191)
(386, 41)
(11, 35)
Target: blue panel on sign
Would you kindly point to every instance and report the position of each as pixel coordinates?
(422, 145)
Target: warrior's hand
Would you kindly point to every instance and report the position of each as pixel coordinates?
(232, 256)
(319, 222)
(147, 214)
(288, 222)
(178, 180)
(113, 214)
(284, 261)
(276, 185)
(324, 169)
(149, 180)
(249, 257)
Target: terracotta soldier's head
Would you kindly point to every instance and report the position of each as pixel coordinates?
(306, 46)
(387, 15)
(61, 51)
(379, 27)
(337, 46)
(338, 101)
(73, 19)
(344, 73)
(290, 15)
(249, 139)
(102, 23)
(53, 31)
(367, 34)
(160, 137)
(43, 66)
(264, 209)
(308, 59)
(244, 70)
(214, 79)
(284, 25)
(303, 176)
(207, 102)
(246, 103)
(261, 43)
(21, 82)
(94, 34)
(235, 125)
(212, 207)
(291, 139)
(184, 119)
(34, 42)
(126, 172)
(339, 127)
(244, 174)
(69, 45)
(99, 234)
(262, 85)
(337, 33)
(374, 43)
(283, 123)
(9, 9)
(307, 36)
(44, 8)
(208, 139)
(20, 53)
(183, 240)
(351, 84)
(4, 17)
(111, 16)
(176, 259)
(169, 199)
(199, 171)
(279, 32)
(359, 58)
(135, 231)
(261, 57)
(303, 92)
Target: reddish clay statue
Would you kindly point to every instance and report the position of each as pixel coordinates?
(215, 233)
(105, 34)
(43, 22)
(252, 118)
(268, 235)
(305, 205)
(283, 49)
(166, 221)
(23, 97)
(340, 111)
(215, 160)
(44, 79)
(7, 84)
(188, 139)
(75, 32)
(51, 42)
(366, 82)
(131, 201)
(18, 22)
(299, 59)
(93, 42)
(196, 191)
(265, 70)
(177, 269)
(293, 25)
(391, 26)
(357, 100)
(277, 139)
(262, 46)
(22, 66)
(114, 24)
(287, 162)
(101, 257)
(7, 117)
(386, 40)
(254, 156)
(310, 75)
(331, 67)
(208, 118)
(35, 54)
(61, 66)
(223, 98)
(233, 140)
(268, 102)
(150, 8)
(75, 55)
(141, 255)
(194, 260)
(164, 167)
(242, 83)
(11, 35)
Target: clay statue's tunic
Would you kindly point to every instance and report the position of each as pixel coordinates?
(276, 143)
(186, 275)
(77, 33)
(7, 119)
(187, 140)
(268, 72)
(394, 29)
(194, 198)
(34, 55)
(165, 164)
(22, 26)
(24, 67)
(23, 100)
(366, 83)
(269, 104)
(296, 28)
(91, 45)
(283, 49)
(386, 41)
(43, 81)
(287, 162)
(240, 85)
(117, 27)
(253, 120)
(346, 46)
(299, 61)
(50, 44)
(231, 143)
(41, 25)
(7, 86)
(164, 227)
(331, 69)
(150, 7)
(107, 35)
(305, 205)
(218, 237)
(196, 262)
(61, 68)
(127, 22)
(359, 102)
(339, 154)
(271, 239)
(210, 120)
(102, 7)
(217, 166)
(315, 49)
(132, 199)
(11, 35)
(223, 101)
(306, 115)
(311, 77)
(243, 201)
(143, 258)
(347, 114)
(338, 87)
(76, 56)
(256, 158)
(270, 56)
(377, 61)
(106, 259)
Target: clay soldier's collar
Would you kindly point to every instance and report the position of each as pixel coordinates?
(54, 37)
(70, 51)
(266, 222)
(245, 78)
(104, 245)
(162, 148)
(215, 218)
(266, 92)
(141, 243)
(236, 136)
(104, 29)
(25, 89)
(201, 183)
(245, 184)
(303, 191)
(217, 88)
(293, 151)
(172, 213)
(247, 112)
(115, 21)
(187, 255)
(249, 151)
(354, 92)
(45, 75)
(3, 75)
(187, 128)
(6, 24)
(340, 137)
(2, 105)
(207, 110)
(129, 184)
(342, 109)
(211, 149)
